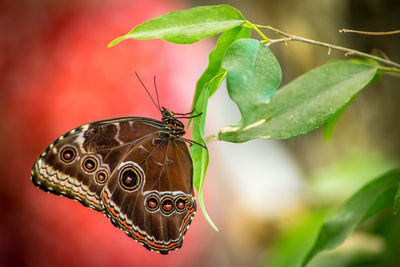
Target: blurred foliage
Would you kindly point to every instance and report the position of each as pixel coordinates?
(374, 243)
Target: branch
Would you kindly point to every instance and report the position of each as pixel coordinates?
(348, 51)
(370, 33)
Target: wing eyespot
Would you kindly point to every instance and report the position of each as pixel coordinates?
(181, 203)
(101, 176)
(89, 164)
(167, 205)
(67, 154)
(130, 177)
(152, 203)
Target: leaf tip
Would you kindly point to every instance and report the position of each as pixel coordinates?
(203, 208)
(115, 41)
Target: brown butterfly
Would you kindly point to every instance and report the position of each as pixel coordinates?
(137, 171)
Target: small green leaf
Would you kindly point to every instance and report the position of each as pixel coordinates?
(396, 201)
(253, 76)
(306, 103)
(215, 58)
(187, 26)
(369, 200)
(199, 154)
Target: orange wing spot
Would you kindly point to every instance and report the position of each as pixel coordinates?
(139, 236)
(172, 244)
(190, 208)
(79, 189)
(112, 211)
(65, 182)
(105, 198)
(123, 223)
(154, 244)
(43, 171)
(185, 223)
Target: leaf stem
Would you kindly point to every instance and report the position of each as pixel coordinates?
(255, 27)
(211, 138)
(291, 37)
(390, 70)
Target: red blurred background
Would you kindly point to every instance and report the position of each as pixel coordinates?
(56, 73)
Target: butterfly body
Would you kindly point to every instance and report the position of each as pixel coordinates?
(137, 171)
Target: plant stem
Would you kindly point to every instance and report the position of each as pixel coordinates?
(390, 70)
(255, 27)
(211, 138)
(348, 51)
(370, 33)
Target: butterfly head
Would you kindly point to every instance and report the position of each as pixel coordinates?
(175, 126)
(166, 113)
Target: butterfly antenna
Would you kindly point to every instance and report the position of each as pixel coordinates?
(155, 87)
(158, 107)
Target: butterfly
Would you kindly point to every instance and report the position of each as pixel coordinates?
(137, 171)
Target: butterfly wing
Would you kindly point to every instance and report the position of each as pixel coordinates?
(150, 193)
(128, 169)
(78, 164)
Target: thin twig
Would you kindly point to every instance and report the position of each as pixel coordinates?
(381, 53)
(348, 51)
(273, 41)
(370, 33)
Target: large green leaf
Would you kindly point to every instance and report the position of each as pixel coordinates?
(295, 238)
(253, 76)
(369, 200)
(215, 58)
(187, 26)
(199, 154)
(304, 104)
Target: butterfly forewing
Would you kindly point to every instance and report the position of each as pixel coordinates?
(59, 170)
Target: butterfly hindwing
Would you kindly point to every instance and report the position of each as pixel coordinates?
(150, 193)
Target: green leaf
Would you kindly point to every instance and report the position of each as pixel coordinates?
(199, 154)
(295, 238)
(253, 76)
(306, 103)
(369, 200)
(215, 58)
(187, 26)
(396, 201)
